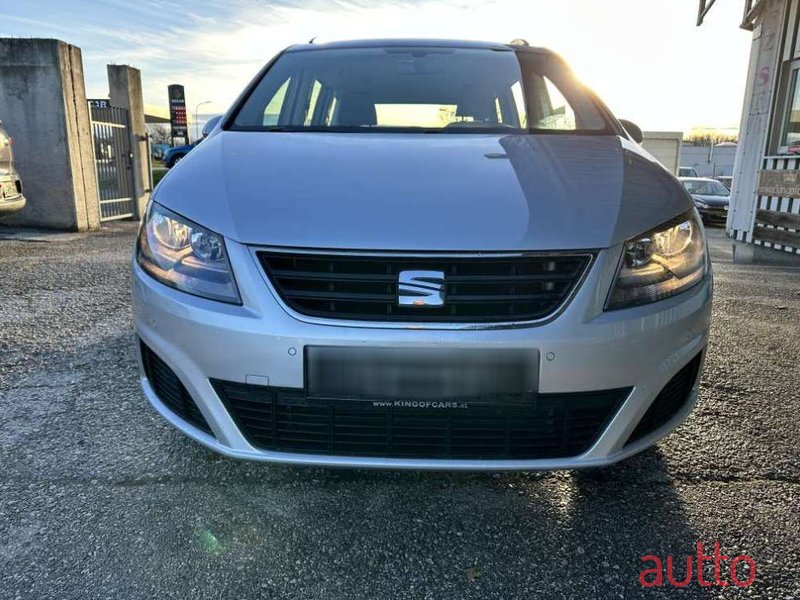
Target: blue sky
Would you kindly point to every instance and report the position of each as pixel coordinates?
(646, 58)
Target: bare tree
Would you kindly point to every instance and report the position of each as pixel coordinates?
(709, 137)
(159, 134)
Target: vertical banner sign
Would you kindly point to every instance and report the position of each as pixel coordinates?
(177, 115)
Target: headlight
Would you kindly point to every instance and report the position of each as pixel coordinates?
(700, 204)
(186, 256)
(660, 263)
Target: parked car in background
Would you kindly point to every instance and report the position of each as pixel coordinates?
(711, 198)
(157, 151)
(11, 198)
(687, 172)
(443, 255)
(174, 155)
(725, 180)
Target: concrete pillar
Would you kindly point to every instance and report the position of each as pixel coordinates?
(43, 106)
(125, 91)
(743, 253)
(762, 77)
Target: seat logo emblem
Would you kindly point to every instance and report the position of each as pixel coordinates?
(420, 288)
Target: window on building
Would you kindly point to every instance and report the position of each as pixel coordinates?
(790, 135)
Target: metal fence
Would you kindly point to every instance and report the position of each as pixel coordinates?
(113, 161)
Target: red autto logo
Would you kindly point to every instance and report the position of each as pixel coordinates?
(740, 566)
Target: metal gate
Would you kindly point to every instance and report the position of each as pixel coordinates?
(113, 160)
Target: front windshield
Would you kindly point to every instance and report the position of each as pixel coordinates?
(430, 89)
(705, 188)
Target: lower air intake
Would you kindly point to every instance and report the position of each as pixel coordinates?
(170, 390)
(669, 401)
(549, 426)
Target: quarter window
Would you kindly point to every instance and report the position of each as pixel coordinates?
(316, 87)
(519, 104)
(556, 111)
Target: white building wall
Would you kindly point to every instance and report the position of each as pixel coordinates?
(665, 146)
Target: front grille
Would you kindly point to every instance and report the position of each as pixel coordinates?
(170, 390)
(549, 426)
(669, 401)
(478, 289)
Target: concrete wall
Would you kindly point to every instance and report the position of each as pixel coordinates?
(43, 106)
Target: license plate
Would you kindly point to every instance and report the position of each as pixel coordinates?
(7, 189)
(419, 373)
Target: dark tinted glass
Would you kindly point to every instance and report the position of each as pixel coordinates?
(448, 90)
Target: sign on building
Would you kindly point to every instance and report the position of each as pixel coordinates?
(177, 115)
(782, 184)
(99, 103)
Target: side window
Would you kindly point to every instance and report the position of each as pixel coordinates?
(556, 111)
(519, 104)
(272, 111)
(331, 111)
(549, 108)
(311, 108)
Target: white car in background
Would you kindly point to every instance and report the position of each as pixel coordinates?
(11, 198)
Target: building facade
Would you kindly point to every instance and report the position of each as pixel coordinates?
(764, 214)
(709, 160)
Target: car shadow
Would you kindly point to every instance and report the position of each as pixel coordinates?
(578, 534)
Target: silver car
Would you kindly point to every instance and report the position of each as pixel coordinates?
(421, 254)
(11, 198)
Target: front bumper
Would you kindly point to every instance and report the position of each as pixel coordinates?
(713, 213)
(11, 198)
(584, 349)
(12, 205)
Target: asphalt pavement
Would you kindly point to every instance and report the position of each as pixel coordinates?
(100, 498)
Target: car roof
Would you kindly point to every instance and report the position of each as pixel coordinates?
(697, 179)
(415, 43)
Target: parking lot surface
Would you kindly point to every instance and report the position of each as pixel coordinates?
(100, 498)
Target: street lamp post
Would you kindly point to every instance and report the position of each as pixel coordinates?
(196, 108)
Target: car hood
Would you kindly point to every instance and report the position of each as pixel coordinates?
(712, 200)
(422, 191)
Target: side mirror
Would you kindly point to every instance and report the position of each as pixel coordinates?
(210, 124)
(633, 130)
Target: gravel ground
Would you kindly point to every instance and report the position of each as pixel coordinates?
(99, 498)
